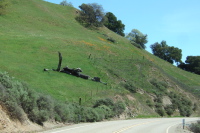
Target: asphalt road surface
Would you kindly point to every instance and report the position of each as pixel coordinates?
(153, 125)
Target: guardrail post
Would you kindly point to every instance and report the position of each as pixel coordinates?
(183, 123)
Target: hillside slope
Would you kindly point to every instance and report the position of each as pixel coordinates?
(32, 32)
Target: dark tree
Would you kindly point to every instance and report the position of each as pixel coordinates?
(65, 3)
(192, 64)
(113, 24)
(167, 53)
(91, 15)
(175, 54)
(137, 38)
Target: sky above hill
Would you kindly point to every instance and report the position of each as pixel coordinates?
(175, 21)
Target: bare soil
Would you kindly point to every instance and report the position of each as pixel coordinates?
(7, 125)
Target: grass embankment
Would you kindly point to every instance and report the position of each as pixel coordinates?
(32, 32)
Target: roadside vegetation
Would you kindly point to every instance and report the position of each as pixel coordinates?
(21, 101)
(195, 127)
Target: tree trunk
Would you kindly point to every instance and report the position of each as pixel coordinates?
(60, 61)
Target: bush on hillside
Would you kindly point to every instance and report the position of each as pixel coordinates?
(38, 116)
(65, 3)
(109, 107)
(89, 114)
(160, 86)
(111, 39)
(130, 87)
(195, 107)
(45, 103)
(158, 99)
(105, 112)
(108, 102)
(11, 95)
(19, 99)
(119, 108)
(61, 112)
(160, 111)
(3, 6)
(181, 103)
(149, 103)
(159, 106)
(195, 127)
(15, 111)
(136, 45)
(169, 110)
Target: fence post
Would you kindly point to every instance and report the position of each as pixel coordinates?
(183, 123)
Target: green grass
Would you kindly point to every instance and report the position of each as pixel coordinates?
(33, 31)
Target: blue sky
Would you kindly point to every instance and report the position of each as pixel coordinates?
(175, 21)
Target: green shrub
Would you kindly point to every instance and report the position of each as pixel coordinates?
(5, 80)
(3, 6)
(181, 103)
(169, 110)
(108, 108)
(119, 108)
(149, 103)
(159, 86)
(158, 99)
(136, 45)
(15, 111)
(65, 3)
(195, 107)
(160, 111)
(158, 105)
(13, 95)
(164, 84)
(46, 104)
(62, 112)
(89, 114)
(101, 113)
(195, 127)
(185, 111)
(39, 116)
(19, 99)
(129, 86)
(108, 113)
(111, 39)
(108, 102)
(28, 100)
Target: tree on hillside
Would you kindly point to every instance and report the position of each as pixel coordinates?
(167, 53)
(3, 5)
(65, 3)
(175, 54)
(137, 38)
(113, 24)
(192, 64)
(91, 15)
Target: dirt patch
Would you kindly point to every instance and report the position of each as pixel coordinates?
(8, 125)
(166, 101)
(131, 98)
(118, 98)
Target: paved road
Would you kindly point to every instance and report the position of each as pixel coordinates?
(156, 125)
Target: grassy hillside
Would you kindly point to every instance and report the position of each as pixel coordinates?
(33, 31)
